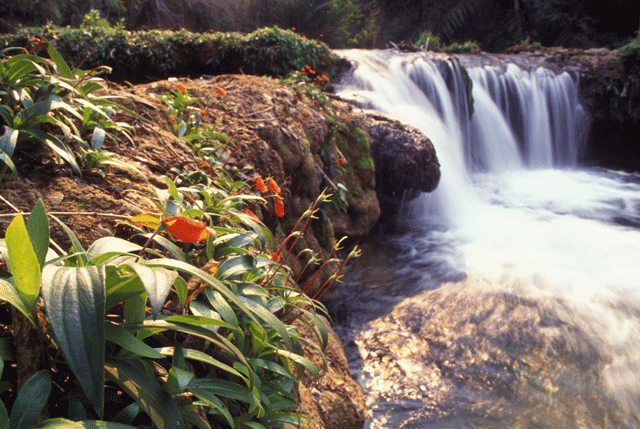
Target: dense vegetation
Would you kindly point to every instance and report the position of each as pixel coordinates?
(495, 24)
(190, 321)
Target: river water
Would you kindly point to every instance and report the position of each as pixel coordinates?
(510, 296)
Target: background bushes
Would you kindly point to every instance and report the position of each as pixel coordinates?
(148, 55)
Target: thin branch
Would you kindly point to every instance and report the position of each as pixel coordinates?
(18, 212)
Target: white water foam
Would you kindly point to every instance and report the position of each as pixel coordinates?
(515, 203)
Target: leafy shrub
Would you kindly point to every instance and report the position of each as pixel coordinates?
(192, 324)
(428, 40)
(161, 54)
(44, 102)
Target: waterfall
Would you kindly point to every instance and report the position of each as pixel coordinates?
(510, 296)
(521, 119)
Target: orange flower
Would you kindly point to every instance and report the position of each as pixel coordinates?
(182, 88)
(261, 186)
(186, 229)
(274, 256)
(221, 91)
(207, 166)
(203, 112)
(340, 162)
(325, 78)
(180, 227)
(274, 186)
(251, 214)
(279, 207)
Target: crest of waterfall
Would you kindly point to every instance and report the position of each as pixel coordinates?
(522, 119)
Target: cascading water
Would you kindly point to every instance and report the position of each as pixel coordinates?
(509, 297)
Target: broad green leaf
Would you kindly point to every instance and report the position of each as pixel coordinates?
(60, 423)
(178, 380)
(157, 281)
(31, 400)
(38, 229)
(9, 293)
(61, 64)
(75, 301)
(128, 341)
(131, 376)
(112, 244)
(24, 263)
(97, 139)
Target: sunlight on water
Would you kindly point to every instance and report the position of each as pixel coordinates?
(511, 298)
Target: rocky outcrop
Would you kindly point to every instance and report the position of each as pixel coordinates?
(335, 400)
(406, 162)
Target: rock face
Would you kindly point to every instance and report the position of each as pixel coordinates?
(406, 162)
(335, 401)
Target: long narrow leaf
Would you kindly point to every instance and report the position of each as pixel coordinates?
(38, 229)
(204, 276)
(128, 341)
(61, 64)
(9, 293)
(61, 423)
(75, 302)
(204, 358)
(30, 401)
(146, 391)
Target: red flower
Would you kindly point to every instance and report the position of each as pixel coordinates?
(221, 91)
(186, 229)
(182, 88)
(279, 207)
(261, 186)
(274, 186)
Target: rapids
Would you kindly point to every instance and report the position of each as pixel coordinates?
(510, 296)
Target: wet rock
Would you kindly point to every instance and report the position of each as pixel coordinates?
(405, 160)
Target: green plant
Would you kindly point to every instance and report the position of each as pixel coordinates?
(44, 102)
(248, 377)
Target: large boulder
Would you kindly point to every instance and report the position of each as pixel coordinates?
(405, 160)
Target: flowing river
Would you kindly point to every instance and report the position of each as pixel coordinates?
(510, 296)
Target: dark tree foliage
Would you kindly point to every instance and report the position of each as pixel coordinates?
(494, 24)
